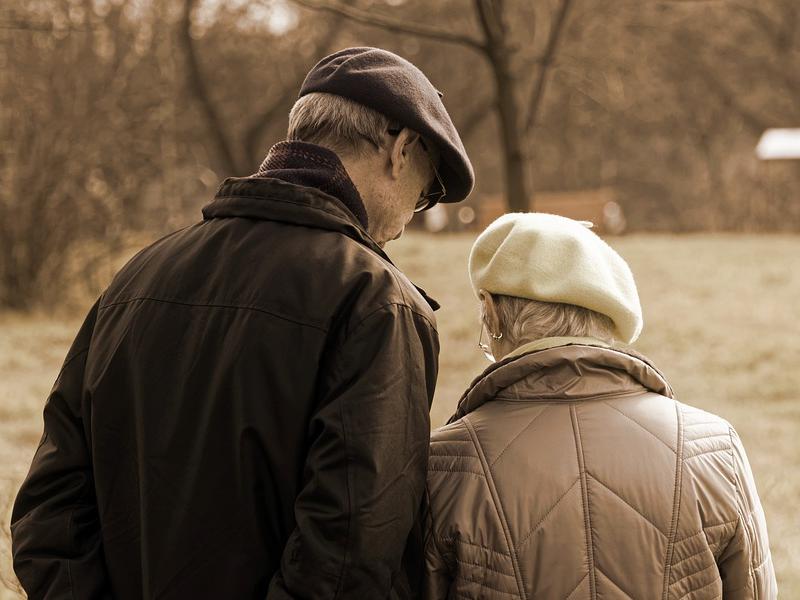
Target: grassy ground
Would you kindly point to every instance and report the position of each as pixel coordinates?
(721, 320)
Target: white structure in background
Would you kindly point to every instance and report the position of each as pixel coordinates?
(779, 144)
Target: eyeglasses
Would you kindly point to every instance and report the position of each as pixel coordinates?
(437, 191)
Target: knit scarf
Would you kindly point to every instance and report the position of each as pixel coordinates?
(311, 165)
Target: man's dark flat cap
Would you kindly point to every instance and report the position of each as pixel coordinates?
(397, 89)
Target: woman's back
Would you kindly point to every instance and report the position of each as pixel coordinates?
(570, 472)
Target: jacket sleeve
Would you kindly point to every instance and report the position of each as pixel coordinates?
(745, 564)
(437, 577)
(365, 470)
(55, 529)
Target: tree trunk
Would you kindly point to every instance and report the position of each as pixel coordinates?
(196, 85)
(497, 51)
(517, 195)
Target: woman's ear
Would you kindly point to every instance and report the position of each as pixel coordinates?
(489, 312)
(482, 298)
(400, 150)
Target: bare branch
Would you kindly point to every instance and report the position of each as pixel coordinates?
(759, 17)
(31, 26)
(491, 25)
(491, 17)
(198, 89)
(537, 93)
(258, 126)
(690, 2)
(372, 19)
(263, 120)
(730, 99)
(470, 123)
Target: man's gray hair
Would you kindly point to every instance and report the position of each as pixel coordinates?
(523, 320)
(337, 123)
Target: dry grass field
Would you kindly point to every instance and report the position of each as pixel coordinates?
(721, 320)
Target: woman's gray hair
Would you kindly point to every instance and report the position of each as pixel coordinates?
(523, 320)
(337, 123)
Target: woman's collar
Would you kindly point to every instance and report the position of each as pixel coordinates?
(554, 342)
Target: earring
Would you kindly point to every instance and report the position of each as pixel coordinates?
(496, 337)
(487, 352)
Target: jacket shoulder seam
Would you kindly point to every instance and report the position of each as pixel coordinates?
(514, 439)
(214, 305)
(751, 570)
(587, 519)
(447, 435)
(399, 284)
(739, 495)
(405, 305)
(767, 558)
(390, 268)
(676, 502)
(498, 508)
(627, 416)
(72, 359)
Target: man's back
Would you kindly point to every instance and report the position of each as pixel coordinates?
(210, 398)
(245, 410)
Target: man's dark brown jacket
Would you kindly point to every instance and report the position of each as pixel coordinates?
(244, 414)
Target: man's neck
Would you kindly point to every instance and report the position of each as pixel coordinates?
(314, 166)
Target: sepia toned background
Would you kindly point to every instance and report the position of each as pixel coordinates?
(118, 119)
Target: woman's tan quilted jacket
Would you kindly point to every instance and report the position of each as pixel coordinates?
(571, 473)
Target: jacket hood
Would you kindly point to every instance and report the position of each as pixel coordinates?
(564, 373)
(275, 200)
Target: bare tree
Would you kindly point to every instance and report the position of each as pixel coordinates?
(498, 50)
(492, 19)
(198, 89)
(545, 63)
(237, 153)
(68, 158)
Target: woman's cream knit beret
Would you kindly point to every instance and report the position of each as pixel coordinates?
(555, 259)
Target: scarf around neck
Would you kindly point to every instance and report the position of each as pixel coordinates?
(310, 165)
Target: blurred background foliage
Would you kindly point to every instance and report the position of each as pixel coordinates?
(120, 117)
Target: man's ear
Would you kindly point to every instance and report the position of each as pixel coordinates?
(400, 150)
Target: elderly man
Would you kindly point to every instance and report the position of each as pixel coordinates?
(244, 413)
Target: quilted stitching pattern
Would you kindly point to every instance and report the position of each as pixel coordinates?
(482, 568)
(541, 522)
(619, 497)
(649, 500)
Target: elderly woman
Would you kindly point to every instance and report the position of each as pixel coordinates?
(569, 470)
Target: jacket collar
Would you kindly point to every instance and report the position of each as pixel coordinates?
(553, 342)
(271, 199)
(314, 166)
(564, 373)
